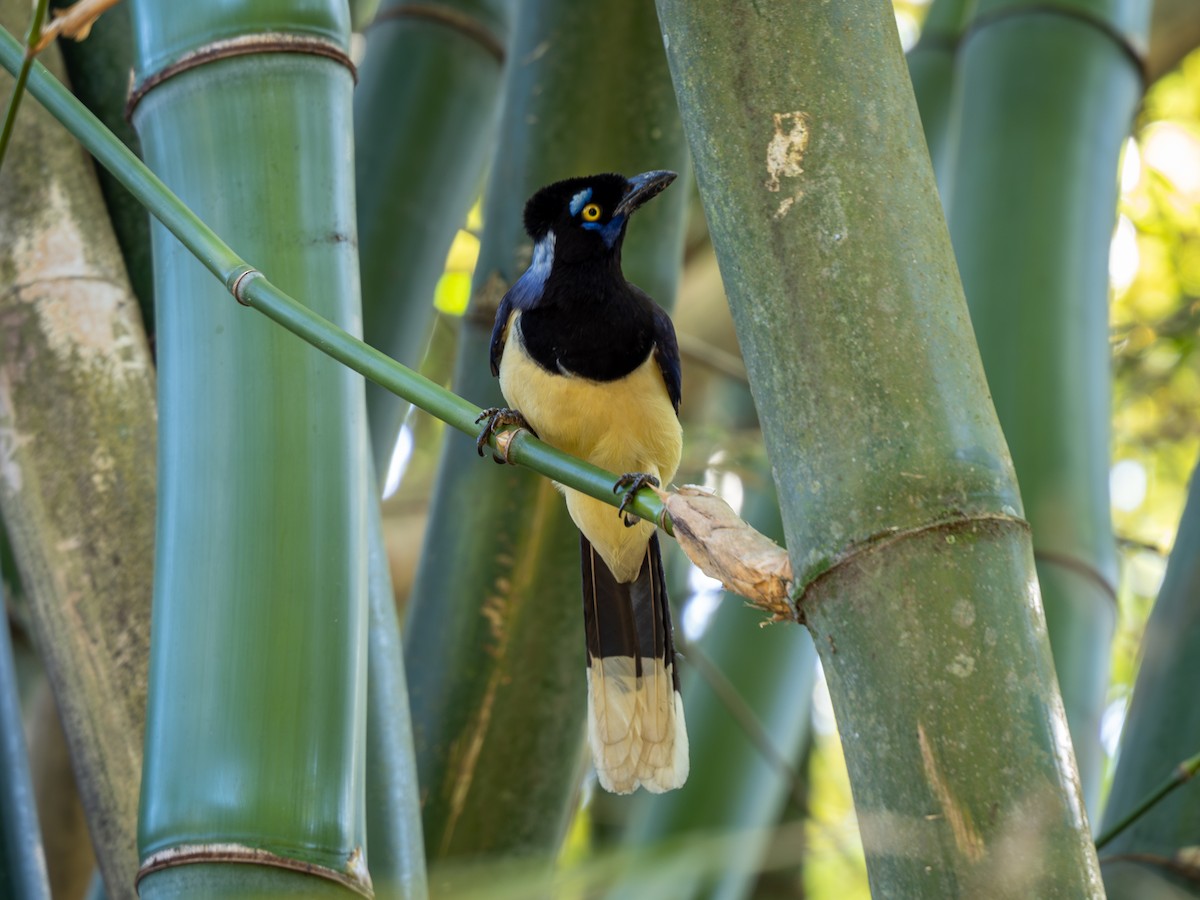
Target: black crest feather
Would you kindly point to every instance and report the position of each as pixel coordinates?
(550, 204)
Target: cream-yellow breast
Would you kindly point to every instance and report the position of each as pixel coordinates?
(626, 425)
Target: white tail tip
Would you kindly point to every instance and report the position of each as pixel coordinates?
(635, 726)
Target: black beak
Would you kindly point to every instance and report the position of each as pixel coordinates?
(642, 188)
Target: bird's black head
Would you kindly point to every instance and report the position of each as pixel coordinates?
(587, 216)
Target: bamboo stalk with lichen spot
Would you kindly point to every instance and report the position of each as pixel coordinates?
(899, 503)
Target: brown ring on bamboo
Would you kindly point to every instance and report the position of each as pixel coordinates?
(245, 45)
(1080, 567)
(456, 21)
(356, 877)
(951, 524)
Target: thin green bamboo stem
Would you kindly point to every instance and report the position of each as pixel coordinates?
(524, 449)
(256, 291)
(1182, 774)
(18, 91)
(111, 153)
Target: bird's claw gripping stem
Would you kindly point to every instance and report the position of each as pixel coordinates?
(631, 483)
(496, 417)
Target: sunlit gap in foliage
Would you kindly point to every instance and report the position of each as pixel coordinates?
(1174, 152)
(1131, 166)
(705, 592)
(822, 707)
(1111, 724)
(835, 866)
(1127, 483)
(1123, 256)
(401, 454)
(909, 16)
(1146, 572)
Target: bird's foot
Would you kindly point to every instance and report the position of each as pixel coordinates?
(631, 483)
(496, 417)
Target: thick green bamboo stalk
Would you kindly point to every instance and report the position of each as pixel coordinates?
(931, 65)
(362, 13)
(256, 733)
(1158, 735)
(914, 570)
(1046, 96)
(494, 641)
(1174, 33)
(424, 114)
(22, 861)
(77, 488)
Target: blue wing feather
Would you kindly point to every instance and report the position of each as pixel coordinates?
(498, 329)
(524, 294)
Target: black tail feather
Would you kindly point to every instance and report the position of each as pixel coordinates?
(636, 720)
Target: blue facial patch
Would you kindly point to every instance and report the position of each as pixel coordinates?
(610, 230)
(579, 200)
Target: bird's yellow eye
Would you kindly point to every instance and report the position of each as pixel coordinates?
(590, 213)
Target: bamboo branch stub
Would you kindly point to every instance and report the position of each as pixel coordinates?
(725, 547)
